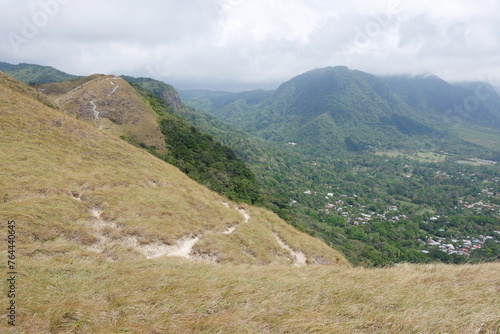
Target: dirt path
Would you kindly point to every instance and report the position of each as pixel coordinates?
(299, 257)
(96, 115)
(243, 212)
(182, 248)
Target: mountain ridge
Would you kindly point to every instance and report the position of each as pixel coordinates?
(353, 99)
(473, 102)
(35, 74)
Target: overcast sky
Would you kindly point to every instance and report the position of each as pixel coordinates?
(246, 44)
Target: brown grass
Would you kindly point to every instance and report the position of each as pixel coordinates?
(79, 293)
(121, 110)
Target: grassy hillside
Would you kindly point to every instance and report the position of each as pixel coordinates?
(77, 184)
(174, 296)
(114, 106)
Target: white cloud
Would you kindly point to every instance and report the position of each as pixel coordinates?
(252, 43)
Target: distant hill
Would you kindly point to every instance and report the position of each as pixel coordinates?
(474, 103)
(336, 110)
(35, 74)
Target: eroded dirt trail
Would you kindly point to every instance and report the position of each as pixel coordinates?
(181, 248)
(300, 258)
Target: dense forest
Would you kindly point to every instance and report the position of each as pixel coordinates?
(200, 156)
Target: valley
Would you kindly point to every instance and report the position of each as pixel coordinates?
(419, 165)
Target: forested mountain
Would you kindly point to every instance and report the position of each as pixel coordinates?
(35, 74)
(331, 111)
(471, 103)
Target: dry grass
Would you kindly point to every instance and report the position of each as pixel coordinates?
(56, 171)
(121, 110)
(58, 89)
(80, 293)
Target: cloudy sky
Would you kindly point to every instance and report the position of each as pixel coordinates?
(246, 44)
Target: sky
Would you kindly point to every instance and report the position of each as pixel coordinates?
(248, 44)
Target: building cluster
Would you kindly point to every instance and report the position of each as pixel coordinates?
(460, 246)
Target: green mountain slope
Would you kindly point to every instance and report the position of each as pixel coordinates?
(468, 103)
(330, 110)
(35, 74)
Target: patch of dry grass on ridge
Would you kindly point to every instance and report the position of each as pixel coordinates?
(77, 293)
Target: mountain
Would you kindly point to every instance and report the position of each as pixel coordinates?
(472, 103)
(328, 110)
(128, 111)
(111, 239)
(35, 74)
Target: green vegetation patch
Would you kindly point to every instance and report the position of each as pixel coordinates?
(200, 156)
